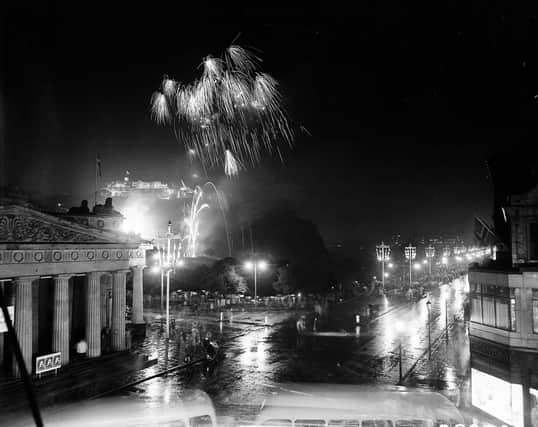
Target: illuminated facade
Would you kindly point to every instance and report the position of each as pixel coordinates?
(65, 280)
(504, 384)
(126, 187)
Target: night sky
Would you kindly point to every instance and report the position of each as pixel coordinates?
(403, 104)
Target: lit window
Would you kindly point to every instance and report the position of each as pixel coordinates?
(494, 306)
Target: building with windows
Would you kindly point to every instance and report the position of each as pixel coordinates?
(504, 320)
(503, 325)
(504, 292)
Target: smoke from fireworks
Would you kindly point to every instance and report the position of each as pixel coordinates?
(229, 115)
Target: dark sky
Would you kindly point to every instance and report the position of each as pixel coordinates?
(403, 103)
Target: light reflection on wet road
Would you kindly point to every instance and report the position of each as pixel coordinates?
(259, 357)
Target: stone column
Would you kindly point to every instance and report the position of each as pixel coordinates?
(23, 321)
(2, 334)
(61, 328)
(35, 316)
(138, 294)
(118, 310)
(104, 299)
(93, 313)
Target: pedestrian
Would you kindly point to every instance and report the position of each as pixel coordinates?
(301, 328)
(82, 348)
(128, 339)
(317, 309)
(195, 331)
(103, 339)
(188, 347)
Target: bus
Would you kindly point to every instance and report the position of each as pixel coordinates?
(189, 409)
(356, 406)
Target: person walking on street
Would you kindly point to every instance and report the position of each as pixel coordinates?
(82, 348)
(195, 331)
(301, 329)
(128, 339)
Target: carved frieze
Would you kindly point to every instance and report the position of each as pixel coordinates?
(15, 228)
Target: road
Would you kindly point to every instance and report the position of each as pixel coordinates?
(258, 358)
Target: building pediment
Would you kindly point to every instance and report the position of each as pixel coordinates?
(20, 224)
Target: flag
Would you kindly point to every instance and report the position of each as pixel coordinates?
(483, 232)
(98, 165)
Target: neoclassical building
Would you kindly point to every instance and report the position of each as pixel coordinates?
(65, 279)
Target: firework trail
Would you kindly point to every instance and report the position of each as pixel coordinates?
(192, 221)
(227, 116)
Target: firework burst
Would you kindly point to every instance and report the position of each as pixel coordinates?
(227, 116)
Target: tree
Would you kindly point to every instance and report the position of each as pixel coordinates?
(285, 282)
(282, 233)
(225, 277)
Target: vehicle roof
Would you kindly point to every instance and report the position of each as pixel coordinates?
(300, 401)
(128, 410)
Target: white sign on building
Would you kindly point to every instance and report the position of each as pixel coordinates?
(48, 362)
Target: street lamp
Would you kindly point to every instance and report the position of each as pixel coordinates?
(399, 329)
(254, 266)
(445, 295)
(430, 253)
(168, 260)
(428, 305)
(383, 253)
(410, 255)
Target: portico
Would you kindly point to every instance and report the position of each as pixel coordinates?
(67, 282)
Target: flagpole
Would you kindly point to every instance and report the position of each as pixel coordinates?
(95, 193)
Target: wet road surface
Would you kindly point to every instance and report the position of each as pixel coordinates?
(258, 358)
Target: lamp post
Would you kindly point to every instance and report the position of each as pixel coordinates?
(428, 305)
(168, 260)
(410, 254)
(430, 253)
(399, 329)
(254, 265)
(445, 294)
(383, 254)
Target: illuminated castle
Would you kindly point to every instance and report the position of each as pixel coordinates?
(126, 188)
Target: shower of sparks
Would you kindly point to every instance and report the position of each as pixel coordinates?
(227, 116)
(231, 167)
(159, 108)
